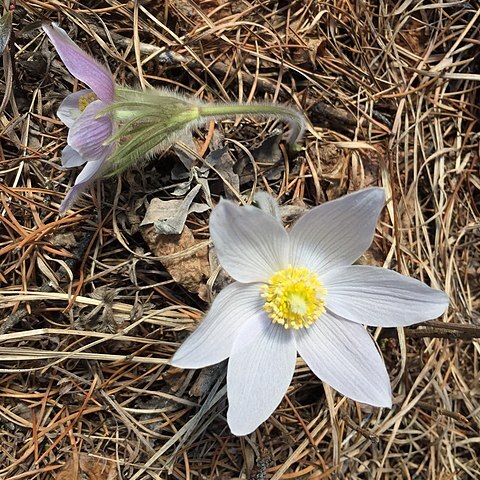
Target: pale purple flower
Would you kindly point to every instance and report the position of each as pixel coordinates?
(112, 127)
(81, 112)
(297, 291)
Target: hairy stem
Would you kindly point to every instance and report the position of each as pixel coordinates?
(294, 118)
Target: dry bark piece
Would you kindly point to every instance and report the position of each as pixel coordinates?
(206, 379)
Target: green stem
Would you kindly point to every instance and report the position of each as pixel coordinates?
(294, 117)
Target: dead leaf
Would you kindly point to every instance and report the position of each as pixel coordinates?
(88, 467)
(67, 240)
(331, 163)
(414, 35)
(168, 217)
(184, 9)
(310, 53)
(269, 150)
(213, 9)
(101, 317)
(191, 270)
(221, 160)
(268, 157)
(186, 150)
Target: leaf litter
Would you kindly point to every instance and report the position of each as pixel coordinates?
(392, 95)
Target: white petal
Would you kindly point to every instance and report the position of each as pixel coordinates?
(212, 341)
(71, 158)
(343, 354)
(90, 172)
(69, 109)
(380, 297)
(337, 232)
(251, 245)
(260, 370)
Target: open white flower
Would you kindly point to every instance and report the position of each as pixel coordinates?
(297, 291)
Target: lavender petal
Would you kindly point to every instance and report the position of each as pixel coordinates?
(89, 134)
(80, 64)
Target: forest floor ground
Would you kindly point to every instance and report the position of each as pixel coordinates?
(94, 303)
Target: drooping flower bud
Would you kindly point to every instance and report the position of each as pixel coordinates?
(113, 127)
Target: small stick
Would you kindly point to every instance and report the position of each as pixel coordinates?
(452, 331)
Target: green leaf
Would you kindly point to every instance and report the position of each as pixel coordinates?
(5, 29)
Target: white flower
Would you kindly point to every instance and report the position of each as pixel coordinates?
(297, 291)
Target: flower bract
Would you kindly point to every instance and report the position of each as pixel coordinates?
(297, 291)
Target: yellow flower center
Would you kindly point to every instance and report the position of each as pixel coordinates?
(294, 297)
(85, 100)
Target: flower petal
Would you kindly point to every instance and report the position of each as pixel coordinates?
(71, 158)
(90, 172)
(69, 109)
(260, 369)
(212, 341)
(343, 355)
(89, 134)
(251, 245)
(80, 64)
(337, 232)
(381, 297)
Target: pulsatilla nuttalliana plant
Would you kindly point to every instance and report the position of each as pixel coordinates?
(297, 291)
(112, 127)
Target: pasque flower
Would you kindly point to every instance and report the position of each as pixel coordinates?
(297, 290)
(87, 141)
(112, 127)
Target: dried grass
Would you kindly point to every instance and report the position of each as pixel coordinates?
(90, 317)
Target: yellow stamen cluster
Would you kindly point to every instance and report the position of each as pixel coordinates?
(85, 100)
(294, 297)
